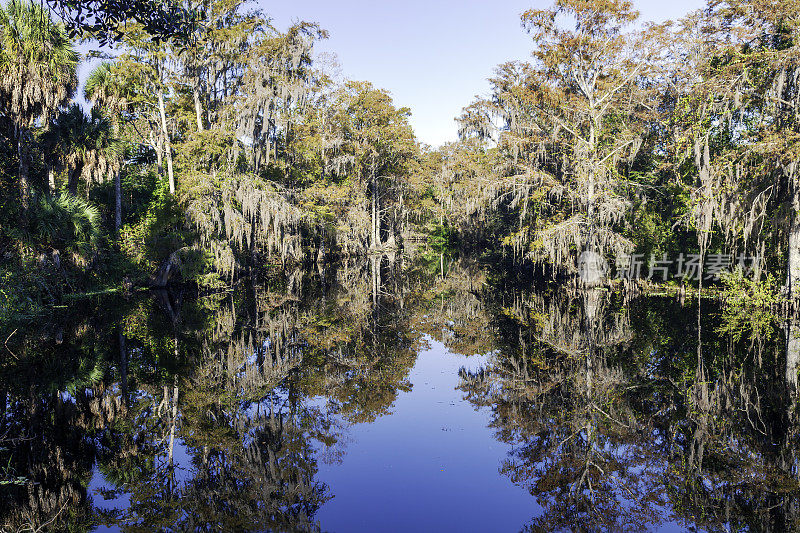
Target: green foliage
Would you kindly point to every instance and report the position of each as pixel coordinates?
(101, 19)
(85, 144)
(7, 476)
(241, 149)
(61, 222)
(153, 237)
(749, 306)
(441, 238)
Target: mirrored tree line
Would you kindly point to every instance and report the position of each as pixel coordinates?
(201, 410)
(216, 412)
(621, 419)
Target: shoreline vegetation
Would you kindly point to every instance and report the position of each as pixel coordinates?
(229, 146)
(220, 261)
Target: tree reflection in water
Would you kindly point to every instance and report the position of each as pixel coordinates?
(215, 412)
(620, 422)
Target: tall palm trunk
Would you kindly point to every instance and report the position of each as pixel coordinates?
(24, 186)
(117, 189)
(117, 202)
(72, 179)
(167, 142)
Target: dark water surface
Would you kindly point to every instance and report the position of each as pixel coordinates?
(398, 395)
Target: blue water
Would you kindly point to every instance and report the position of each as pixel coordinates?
(432, 465)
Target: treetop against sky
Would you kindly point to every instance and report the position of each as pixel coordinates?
(432, 55)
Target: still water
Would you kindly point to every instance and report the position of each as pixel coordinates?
(402, 394)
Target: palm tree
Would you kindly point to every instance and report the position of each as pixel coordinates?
(87, 145)
(105, 90)
(37, 74)
(63, 222)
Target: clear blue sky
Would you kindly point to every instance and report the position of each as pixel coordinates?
(433, 55)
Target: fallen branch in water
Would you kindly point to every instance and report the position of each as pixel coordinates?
(9, 349)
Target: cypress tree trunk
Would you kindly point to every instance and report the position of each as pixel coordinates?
(157, 147)
(591, 185)
(792, 356)
(376, 235)
(793, 267)
(374, 217)
(198, 109)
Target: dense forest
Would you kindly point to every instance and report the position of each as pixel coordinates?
(220, 260)
(231, 147)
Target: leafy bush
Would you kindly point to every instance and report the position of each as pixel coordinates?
(152, 238)
(749, 306)
(61, 222)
